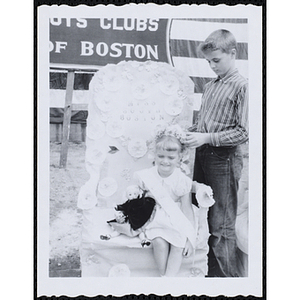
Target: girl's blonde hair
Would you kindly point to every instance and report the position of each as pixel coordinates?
(169, 143)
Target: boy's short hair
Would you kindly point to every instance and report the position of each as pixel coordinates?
(221, 39)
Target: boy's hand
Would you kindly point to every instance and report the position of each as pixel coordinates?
(197, 139)
(188, 249)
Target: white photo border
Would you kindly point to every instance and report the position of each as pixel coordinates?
(254, 283)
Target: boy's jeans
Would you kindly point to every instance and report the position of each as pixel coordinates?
(220, 168)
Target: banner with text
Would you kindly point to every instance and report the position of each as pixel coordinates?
(107, 40)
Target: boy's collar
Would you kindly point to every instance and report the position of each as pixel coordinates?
(227, 76)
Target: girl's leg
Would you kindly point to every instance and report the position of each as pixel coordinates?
(161, 252)
(174, 261)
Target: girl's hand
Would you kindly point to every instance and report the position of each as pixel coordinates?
(188, 249)
(197, 139)
(120, 217)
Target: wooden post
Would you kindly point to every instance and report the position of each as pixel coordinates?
(67, 119)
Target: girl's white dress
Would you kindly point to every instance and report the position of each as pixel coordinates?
(177, 185)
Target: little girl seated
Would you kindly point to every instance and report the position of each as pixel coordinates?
(132, 216)
(173, 229)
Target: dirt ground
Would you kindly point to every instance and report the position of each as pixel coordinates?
(65, 218)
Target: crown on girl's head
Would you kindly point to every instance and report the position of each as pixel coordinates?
(171, 130)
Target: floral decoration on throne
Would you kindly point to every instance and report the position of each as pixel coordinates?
(129, 104)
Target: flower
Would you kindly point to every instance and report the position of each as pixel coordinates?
(137, 148)
(171, 130)
(120, 270)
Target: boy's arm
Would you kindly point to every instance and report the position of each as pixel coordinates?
(197, 139)
(238, 134)
(230, 137)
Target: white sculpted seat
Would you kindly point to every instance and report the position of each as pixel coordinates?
(128, 102)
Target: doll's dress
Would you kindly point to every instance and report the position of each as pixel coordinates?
(177, 185)
(138, 211)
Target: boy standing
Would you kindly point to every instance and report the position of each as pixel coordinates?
(222, 126)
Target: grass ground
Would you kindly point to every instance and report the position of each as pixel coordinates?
(65, 218)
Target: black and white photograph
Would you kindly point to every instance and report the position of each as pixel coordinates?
(150, 150)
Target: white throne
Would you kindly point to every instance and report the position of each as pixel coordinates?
(128, 101)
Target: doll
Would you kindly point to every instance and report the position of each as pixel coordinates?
(132, 216)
